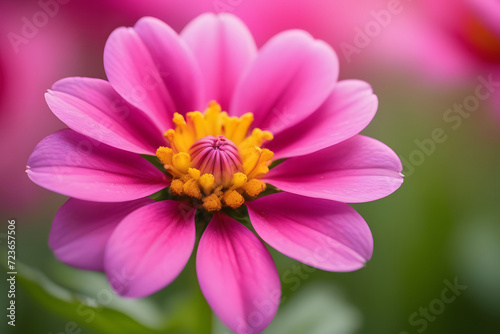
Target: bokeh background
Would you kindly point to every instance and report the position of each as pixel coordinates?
(425, 61)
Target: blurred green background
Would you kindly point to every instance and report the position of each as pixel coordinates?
(440, 228)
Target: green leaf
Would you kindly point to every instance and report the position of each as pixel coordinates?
(191, 315)
(240, 214)
(276, 163)
(162, 195)
(316, 309)
(270, 189)
(155, 161)
(78, 308)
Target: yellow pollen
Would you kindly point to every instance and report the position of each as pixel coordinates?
(239, 179)
(233, 199)
(176, 187)
(165, 155)
(254, 187)
(179, 120)
(192, 189)
(181, 162)
(194, 173)
(212, 203)
(207, 183)
(188, 181)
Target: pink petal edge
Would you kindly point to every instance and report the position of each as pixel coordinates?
(360, 169)
(237, 276)
(321, 233)
(78, 166)
(223, 47)
(93, 108)
(291, 77)
(81, 230)
(348, 110)
(154, 70)
(149, 248)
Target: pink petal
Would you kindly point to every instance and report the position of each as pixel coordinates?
(149, 248)
(93, 108)
(153, 69)
(290, 78)
(237, 276)
(223, 47)
(75, 165)
(321, 233)
(81, 230)
(359, 169)
(348, 110)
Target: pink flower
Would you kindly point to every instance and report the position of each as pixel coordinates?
(283, 101)
(40, 43)
(23, 118)
(440, 48)
(446, 47)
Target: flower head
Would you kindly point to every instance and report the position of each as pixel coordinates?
(282, 102)
(213, 158)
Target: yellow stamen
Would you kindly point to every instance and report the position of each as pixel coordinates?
(252, 160)
(207, 183)
(256, 139)
(182, 162)
(254, 187)
(176, 187)
(236, 128)
(165, 155)
(194, 173)
(213, 118)
(256, 162)
(233, 199)
(239, 179)
(192, 189)
(176, 142)
(199, 123)
(212, 203)
(179, 120)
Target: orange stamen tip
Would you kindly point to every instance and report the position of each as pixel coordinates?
(254, 187)
(194, 173)
(176, 187)
(182, 162)
(164, 154)
(192, 189)
(212, 203)
(233, 199)
(179, 119)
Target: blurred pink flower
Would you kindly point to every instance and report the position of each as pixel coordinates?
(31, 58)
(447, 42)
(332, 21)
(444, 49)
(42, 41)
(283, 101)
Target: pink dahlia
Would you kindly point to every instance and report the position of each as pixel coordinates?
(141, 134)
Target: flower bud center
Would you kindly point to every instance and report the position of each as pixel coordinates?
(217, 156)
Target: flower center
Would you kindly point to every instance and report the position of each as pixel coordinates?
(217, 156)
(214, 159)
